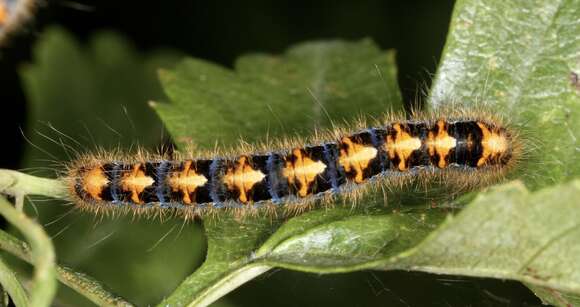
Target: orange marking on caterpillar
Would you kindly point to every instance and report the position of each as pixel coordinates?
(356, 157)
(243, 177)
(401, 145)
(494, 144)
(136, 181)
(186, 181)
(303, 171)
(94, 181)
(440, 143)
(3, 14)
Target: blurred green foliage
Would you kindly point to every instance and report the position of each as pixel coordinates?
(95, 97)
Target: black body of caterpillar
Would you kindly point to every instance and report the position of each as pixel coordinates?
(298, 173)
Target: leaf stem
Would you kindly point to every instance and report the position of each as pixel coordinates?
(18, 184)
(12, 285)
(81, 283)
(42, 254)
(222, 280)
(229, 283)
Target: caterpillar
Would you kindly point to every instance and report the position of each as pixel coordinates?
(13, 14)
(3, 14)
(463, 150)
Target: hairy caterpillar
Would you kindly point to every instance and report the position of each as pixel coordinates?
(13, 13)
(462, 149)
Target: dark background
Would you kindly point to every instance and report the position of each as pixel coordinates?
(220, 31)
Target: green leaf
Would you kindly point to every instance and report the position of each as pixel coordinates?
(277, 95)
(554, 297)
(509, 233)
(274, 96)
(339, 240)
(520, 59)
(95, 94)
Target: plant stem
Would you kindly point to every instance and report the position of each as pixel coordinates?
(44, 286)
(18, 184)
(81, 283)
(224, 278)
(12, 285)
